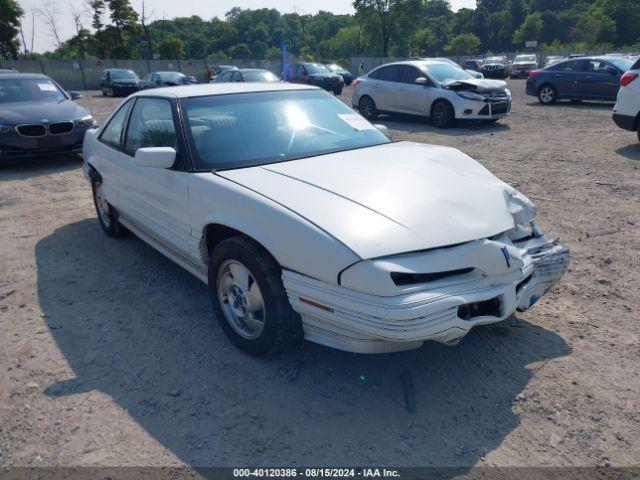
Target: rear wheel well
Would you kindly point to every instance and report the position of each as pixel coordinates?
(94, 174)
(636, 123)
(547, 84)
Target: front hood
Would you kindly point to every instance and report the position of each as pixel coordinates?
(524, 64)
(392, 198)
(478, 84)
(45, 112)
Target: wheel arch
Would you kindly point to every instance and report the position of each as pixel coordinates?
(440, 99)
(213, 233)
(547, 83)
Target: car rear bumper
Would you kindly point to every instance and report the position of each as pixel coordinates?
(358, 322)
(626, 122)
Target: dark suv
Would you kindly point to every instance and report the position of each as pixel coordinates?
(314, 74)
(119, 81)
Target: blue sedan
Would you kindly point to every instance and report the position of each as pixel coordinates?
(585, 78)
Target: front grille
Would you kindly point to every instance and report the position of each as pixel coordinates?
(497, 108)
(32, 130)
(60, 128)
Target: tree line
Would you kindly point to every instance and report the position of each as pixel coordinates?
(400, 28)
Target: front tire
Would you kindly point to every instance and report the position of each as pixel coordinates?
(249, 300)
(442, 114)
(547, 95)
(107, 215)
(367, 107)
(337, 92)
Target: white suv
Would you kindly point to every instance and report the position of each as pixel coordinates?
(626, 113)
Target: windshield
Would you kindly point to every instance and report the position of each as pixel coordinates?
(335, 68)
(525, 58)
(120, 74)
(240, 130)
(495, 60)
(259, 76)
(444, 71)
(623, 64)
(316, 68)
(29, 90)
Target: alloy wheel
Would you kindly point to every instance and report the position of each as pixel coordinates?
(241, 299)
(366, 107)
(547, 95)
(102, 205)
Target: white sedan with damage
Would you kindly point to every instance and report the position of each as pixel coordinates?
(306, 221)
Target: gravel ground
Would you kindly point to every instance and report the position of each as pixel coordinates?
(109, 354)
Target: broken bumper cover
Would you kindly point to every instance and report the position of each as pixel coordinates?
(359, 322)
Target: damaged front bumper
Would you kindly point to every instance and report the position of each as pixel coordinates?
(354, 321)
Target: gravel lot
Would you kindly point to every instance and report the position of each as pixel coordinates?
(109, 354)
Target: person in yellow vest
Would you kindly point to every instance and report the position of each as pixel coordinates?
(208, 74)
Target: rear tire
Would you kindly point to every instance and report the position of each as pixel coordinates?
(367, 107)
(442, 114)
(547, 94)
(249, 299)
(638, 133)
(107, 215)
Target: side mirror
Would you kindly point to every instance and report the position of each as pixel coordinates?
(156, 157)
(383, 129)
(75, 95)
(420, 81)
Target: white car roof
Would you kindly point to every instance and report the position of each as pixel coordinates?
(203, 89)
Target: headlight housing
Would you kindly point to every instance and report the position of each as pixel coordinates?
(6, 129)
(85, 122)
(470, 95)
(507, 92)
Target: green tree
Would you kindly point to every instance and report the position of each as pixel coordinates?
(345, 43)
(465, 44)
(10, 14)
(240, 51)
(529, 30)
(219, 55)
(171, 48)
(423, 43)
(97, 7)
(383, 13)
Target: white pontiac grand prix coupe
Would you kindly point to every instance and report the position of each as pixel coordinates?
(306, 221)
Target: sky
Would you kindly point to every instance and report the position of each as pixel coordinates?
(204, 8)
